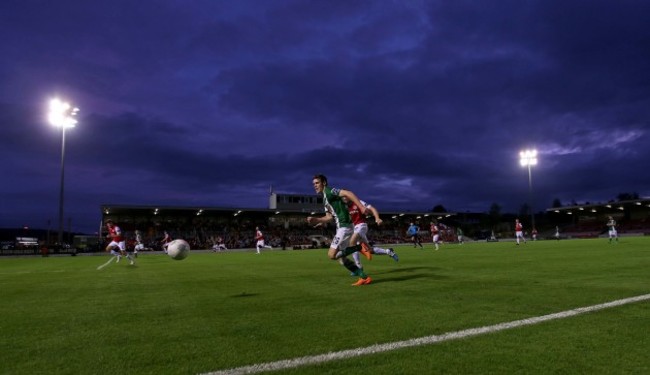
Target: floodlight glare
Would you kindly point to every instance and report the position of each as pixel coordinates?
(528, 158)
(61, 115)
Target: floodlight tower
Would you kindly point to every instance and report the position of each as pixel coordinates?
(528, 158)
(62, 115)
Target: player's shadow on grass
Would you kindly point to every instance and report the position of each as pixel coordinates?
(399, 269)
(379, 280)
(244, 294)
(410, 273)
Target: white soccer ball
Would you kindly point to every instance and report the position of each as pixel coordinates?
(178, 249)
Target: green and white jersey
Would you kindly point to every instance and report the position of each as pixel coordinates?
(334, 205)
(611, 224)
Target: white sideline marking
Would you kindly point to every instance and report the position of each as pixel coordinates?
(379, 348)
(107, 263)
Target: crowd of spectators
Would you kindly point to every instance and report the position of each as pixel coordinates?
(243, 235)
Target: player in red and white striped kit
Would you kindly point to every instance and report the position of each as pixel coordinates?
(435, 234)
(117, 242)
(259, 237)
(361, 231)
(519, 231)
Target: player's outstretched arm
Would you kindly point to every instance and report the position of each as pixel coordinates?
(354, 199)
(375, 214)
(316, 221)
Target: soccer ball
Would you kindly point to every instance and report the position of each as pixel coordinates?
(178, 249)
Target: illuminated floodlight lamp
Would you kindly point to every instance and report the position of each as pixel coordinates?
(62, 114)
(594, 210)
(638, 203)
(528, 158)
(621, 208)
(608, 206)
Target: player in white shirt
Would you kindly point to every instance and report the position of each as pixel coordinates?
(138, 243)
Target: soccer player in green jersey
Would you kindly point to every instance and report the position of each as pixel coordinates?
(611, 229)
(336, 210)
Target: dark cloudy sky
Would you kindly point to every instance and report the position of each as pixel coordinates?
(409, 104)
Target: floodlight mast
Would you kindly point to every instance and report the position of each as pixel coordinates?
(62, 115)
(528, 158)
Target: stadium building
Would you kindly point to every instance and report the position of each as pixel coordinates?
(284, 222)
(588, 220)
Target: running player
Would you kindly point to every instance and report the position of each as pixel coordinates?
(336, 210)
(139, 245)
(413, 232)
(167, 238)
(259, 237)
(117, 242)
(360, 235)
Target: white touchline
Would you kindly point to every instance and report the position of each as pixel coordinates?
(107, 263)
(379, 348)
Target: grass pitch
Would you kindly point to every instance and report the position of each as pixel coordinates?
(215, 311)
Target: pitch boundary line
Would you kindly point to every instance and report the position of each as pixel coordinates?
(427, 340)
